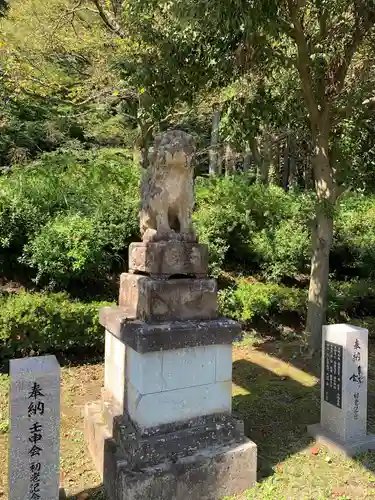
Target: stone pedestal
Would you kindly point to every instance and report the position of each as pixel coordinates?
(163, 427)
(343, 420)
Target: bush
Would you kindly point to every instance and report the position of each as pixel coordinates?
(67, 248)
(256, 227)
(353, 252)
(94, 194)
(251, 300)
(347, 300)
(283, 250)
(47, 323)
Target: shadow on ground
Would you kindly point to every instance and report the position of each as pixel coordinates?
(277, 395)
(275, 409)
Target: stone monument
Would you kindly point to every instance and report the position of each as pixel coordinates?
(343, 420)
(163, 428)
(34, 445)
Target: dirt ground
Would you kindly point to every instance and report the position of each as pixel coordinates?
(275, 392)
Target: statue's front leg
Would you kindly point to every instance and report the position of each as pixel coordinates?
(162, 223)
(186, 225)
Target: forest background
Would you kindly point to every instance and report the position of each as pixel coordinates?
(279, 96)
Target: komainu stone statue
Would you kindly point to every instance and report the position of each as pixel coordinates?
(167, 189)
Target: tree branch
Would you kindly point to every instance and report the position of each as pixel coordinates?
(109, 20)
(362, 27)
(303, 61)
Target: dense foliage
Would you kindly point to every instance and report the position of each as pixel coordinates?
(48, 323)
(278, 94)
(69, 215)
(68, 218)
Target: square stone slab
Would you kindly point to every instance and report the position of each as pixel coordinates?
(165, 259)
(148, 337)
(162, 300)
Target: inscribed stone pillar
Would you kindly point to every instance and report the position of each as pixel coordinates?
(343, 420)
(34, 428)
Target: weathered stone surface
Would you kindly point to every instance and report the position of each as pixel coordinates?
(164, 372)
(167, 442)
(174, 299)
(34, 428)
(210, 474)
(150, 410)
(223, 369)
(167, 259)
(112, 412)
(167, 189)
(147, 337)
(344, 388)
(97, 434)
(141, 451)
(220, 461)
(114, 367)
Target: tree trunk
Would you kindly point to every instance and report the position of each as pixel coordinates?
(285, 181)
(230, 160)
(292, 162)
(276, 163)
(265, 164)
(247, 158)
(261, 170)
(213, 168)
(322, 235)
(145, 128)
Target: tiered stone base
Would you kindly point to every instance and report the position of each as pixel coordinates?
(207, 458)
(163, 428)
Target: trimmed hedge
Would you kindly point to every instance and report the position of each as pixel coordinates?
(248, 301)
(47, 323)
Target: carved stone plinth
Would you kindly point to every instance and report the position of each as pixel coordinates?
(166, 259)
(163, 300)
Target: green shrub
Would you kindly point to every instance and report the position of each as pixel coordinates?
(350, 299)
(256, 227)
(347, 301)
(47, 323)
(262, 300)
(98, 187)
(67, 248)
(353, 251)
(283, 250)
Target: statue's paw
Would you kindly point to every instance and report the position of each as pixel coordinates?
(168, 235)
(149, 235)
(188, 236)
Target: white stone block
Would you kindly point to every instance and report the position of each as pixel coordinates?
(151, 410)
(223, 363)
(34, 428)
(144, 371)
(107, 358)
(114, 368)
(188, 367)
